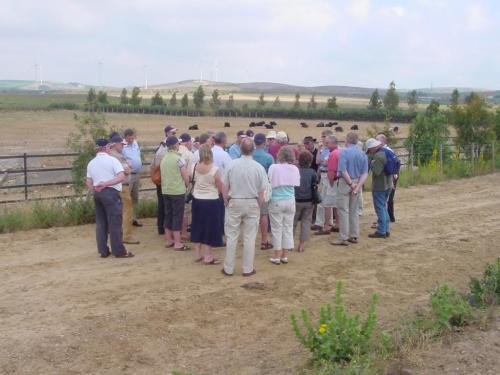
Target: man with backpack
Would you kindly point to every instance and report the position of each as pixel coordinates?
(381, 185)
(390, 203)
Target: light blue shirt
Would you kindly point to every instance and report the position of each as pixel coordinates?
(325, 153)
(354, 161)
(133, 155)
(234, 151)
(281, 193)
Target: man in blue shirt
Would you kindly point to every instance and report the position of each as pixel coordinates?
(266, 160)
(352, 170)
(234, 150)
(132, 152)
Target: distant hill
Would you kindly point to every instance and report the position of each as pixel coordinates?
(188, 86)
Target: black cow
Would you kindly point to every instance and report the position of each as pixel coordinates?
(194, 127)
(329, 124)
(273, 123)
(395, 129)
(227, 125)
(355, 127)
(339, 129)
(268, 126)
(304, 125)
(321, 125)
(252, 124)
(260, 123)
(335, 123)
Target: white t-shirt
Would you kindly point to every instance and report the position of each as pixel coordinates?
(103, 168)
(221, 158)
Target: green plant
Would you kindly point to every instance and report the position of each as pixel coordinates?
(486, 291)
(337, 337)
(449, 307)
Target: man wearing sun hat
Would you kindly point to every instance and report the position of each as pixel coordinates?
(270, 139)
(105, 175)
(381, 187)
(234, 150)
(281, 140)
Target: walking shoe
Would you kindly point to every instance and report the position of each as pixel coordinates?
(225, 273)
(316, 227)
(377, 235)
(135, 223)
(388, 234)
(339, 243)
(276, 261)
(353, 240)
(284, 260)
(246, 274)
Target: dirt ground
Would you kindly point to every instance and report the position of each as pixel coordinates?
(64, 310)
(47, 131)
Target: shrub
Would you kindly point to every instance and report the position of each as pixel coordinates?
(337, 337)
(486, 291)
(449, 307)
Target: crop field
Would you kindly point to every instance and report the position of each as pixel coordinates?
(66, 311)
(48, 131)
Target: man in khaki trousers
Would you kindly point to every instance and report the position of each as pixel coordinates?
(128, 209)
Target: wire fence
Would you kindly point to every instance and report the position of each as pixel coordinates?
(33, 177)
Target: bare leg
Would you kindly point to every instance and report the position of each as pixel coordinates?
(177, 239)
(264, 225)
(197, 251)
(169, 238)
(302, 245)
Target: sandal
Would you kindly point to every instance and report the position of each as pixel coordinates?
(183, 248)
(322, 232)
(128, 254)
(266, 246)
(170, 245)
(276, 261)
(213, 262)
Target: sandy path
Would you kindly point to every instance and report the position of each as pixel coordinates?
(66, 311)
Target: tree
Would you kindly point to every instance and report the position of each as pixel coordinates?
(331, 103)
(173, 99)
(185, 101)
(91, 97)
(102, 98)
(312, 102)
(124, 97)
(427, 131)
(198, 97)
(277, 102)
(230, 102)
(215, 102)
(135, 99)
(455, 95)
(497, 125)
(261, 102)
(296, 104)
(375, 101)
(157, 100)
(474, 123)
(391, 98)
(412, 101)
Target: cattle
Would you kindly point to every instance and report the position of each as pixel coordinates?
(304, 125)
(329, 124)
(268, 126)
(273, 123)
(194, 127)
(227, 125)
(320, 125)
(355, 127)
(394, 129)
(335, 123)
(252, 124)
(339, 129)
(260, 123)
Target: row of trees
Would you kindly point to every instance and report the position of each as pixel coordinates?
(474, 123)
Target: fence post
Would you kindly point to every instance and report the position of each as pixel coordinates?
(411, 162)
(493, 159)
(441, 157)
(472, 155)
(25, 172)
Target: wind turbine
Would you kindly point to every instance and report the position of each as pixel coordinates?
(145, 67)
(99, 73)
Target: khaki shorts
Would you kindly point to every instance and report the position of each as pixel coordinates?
(329, 199)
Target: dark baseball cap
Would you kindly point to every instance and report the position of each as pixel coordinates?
(116, 138)
(101, 142)
(185, 137)
(170, 128)
(259, 139)
(309, 139)
(250, 133)
(171, 140)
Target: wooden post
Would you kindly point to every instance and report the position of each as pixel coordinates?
(25, 171)
(441, 157)
(493, 156)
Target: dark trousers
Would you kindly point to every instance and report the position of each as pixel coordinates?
(160, 218)
(390, 201)
(108, 219)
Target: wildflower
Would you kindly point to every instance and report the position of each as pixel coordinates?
(322, 329)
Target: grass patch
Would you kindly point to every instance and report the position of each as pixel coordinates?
(59, 213)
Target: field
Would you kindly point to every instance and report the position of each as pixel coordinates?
(66, 311)
(47, 131)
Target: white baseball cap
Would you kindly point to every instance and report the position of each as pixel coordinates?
(271, 135)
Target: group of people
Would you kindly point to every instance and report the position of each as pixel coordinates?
(208, 191)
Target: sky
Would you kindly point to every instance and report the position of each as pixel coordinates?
(368, 43)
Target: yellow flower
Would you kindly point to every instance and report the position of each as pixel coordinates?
(322, 329)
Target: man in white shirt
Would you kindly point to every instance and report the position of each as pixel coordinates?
(221, 157)
(105, 175)
(132, 153)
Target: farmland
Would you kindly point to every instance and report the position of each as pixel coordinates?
(66, 311)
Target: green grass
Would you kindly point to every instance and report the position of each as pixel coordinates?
(25, 101)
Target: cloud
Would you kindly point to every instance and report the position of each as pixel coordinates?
(476, 18)
(360, 9)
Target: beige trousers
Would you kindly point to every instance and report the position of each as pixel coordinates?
(241, 213)
(127, 213)
(281, 214)
(348, 211)
(135, 184)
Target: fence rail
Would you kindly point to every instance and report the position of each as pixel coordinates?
(17, 182)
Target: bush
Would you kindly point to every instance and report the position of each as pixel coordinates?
(449, 307)
(486, 291)
(338, 337)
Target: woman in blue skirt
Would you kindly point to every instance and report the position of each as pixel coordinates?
(207, 212)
